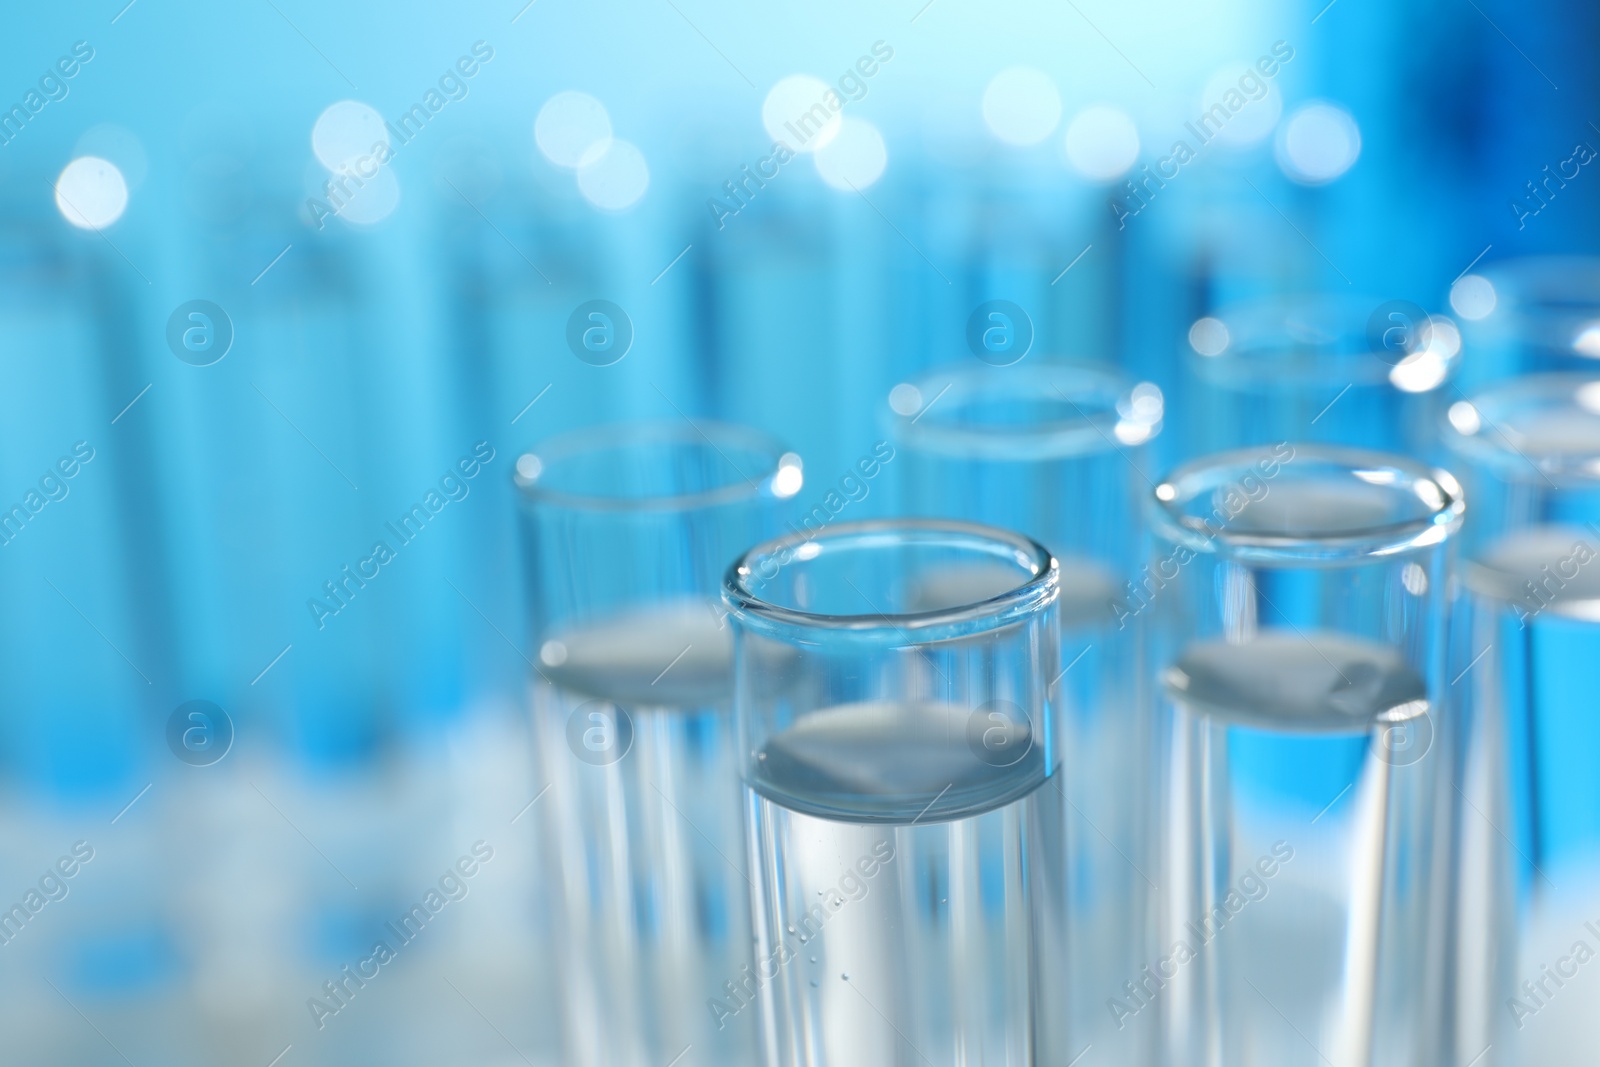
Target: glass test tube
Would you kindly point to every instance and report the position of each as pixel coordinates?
(628, 530)
(1527, 650)
(898, 759)
(1341, 370)
(1302, 593)
(1054, 450)
(85, 649)
(64, 317)
(1530, 315)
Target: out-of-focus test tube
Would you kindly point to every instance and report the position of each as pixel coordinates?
(1301, 664)
(275, 451)
(79, 663)
(1342, 370)
(903, 810)
(1527, 651)
(1053, 450)
(513, 289)
(628, 531)
(85, 649)
(1529, 315)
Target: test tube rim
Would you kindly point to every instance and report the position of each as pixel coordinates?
(1090, 382)
(1521, 286)
(1037, 593)
(1170, 522)
(1257, 350)
(1493, 451)
(645, 433)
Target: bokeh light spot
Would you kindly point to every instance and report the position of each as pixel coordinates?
(615, 178)
(855, 158)
(374, 201)
(572, 129)
(1259, 105)
(790, 477)
(91, 193)
(1473, 297)
(347, 131)
(1319, 143)
(796, 112)
(1102, 142)
(905, 399)
(1209, 337)
(1021, 106)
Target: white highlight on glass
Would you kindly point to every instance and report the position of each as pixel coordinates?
(1258, 111)
(1140, 415)
(91, 193)
(1588, 397)
(855, 158)
(572, 129)
(905, 399)
(1148, 403)
(346, 131)
(1444, 337)
(1318, 144)
(1021, 106)
(1102, 142)
(790, 477)
(1464, 417)
(1426, 368)
(1414, 578)
(797, 112)
(1209, 337)
(1587, 343)
(616, 178)
(1375, 477)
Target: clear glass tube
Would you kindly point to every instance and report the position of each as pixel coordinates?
(1302, 591)
(628, 531)
(1037, 448)
(1527, 652)
(1342, 370)
(81, 731)
(1530, 315)
(905, 828)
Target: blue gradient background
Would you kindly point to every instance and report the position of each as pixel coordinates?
(368, 360)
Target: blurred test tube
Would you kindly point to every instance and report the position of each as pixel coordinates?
(1342, 370)
(1527, 653)
(628, 530)
(1301, 659)
(1529, 316)
(1053, 450)
(85, 646)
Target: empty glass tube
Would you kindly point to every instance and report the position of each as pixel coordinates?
(1055, 451)
(1527, 653)
(628, 531)
(904, 819)
(1302, 659)
(1343, 370)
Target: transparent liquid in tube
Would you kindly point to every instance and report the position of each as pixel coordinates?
(637, 743)
(1300, 912)
(904, 869)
